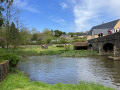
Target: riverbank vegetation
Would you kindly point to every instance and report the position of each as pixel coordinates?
(19, 81)
(13, 58)
(32, 50)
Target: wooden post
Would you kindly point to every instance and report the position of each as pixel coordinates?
(68, 46)
(41, 47)
(65, 46)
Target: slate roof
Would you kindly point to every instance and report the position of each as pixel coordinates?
(98, 31)
(104, 26)
(81, 34)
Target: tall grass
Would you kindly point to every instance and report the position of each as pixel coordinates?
(52, 50)
(19, 81)
(31, 51)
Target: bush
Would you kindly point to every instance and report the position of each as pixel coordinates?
(13, 59)
(59, 45)
(31, 43)
(63, 41)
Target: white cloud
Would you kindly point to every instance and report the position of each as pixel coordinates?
(57, 20)
(88, 13)
(25, 6)
(64, 5)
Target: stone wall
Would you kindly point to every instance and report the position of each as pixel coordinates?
(107, 43)
(4, 69)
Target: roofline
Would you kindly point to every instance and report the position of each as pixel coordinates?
(106, 23)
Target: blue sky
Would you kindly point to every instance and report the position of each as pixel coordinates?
(67, 15)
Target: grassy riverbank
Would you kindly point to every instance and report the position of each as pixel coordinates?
(19, 81)
(52, 50)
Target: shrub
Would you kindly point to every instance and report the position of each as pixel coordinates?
(13, 59)
(59, 45)
(63, 41)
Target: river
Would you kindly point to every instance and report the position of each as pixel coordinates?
(54, 69)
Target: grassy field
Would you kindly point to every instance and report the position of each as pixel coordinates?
(19, 81)
(52, 50)
(35, 50)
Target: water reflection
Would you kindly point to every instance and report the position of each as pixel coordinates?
(55, 69)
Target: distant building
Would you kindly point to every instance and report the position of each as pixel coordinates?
(82, 34)
(103, 28)
(66, 36)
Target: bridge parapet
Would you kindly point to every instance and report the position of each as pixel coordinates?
(107, 38)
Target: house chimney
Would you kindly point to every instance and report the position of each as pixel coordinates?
(102, 22)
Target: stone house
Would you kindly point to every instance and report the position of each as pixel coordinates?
(82, 35)
(66, 36)
(103, 28)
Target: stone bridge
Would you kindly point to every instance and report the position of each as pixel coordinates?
(109, 44)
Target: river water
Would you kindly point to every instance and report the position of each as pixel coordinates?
(54, 69)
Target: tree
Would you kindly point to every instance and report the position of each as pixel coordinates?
(48, 32)
(2, 37)
(71, 34)
(35, 34)
(7, 9)
(9, 13)
(1, 10)
(57, 33)
(25, 35)
(34, 30)
(14, 36)
(45, 37)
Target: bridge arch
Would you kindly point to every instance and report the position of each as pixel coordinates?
(90, 47)
(108, 47)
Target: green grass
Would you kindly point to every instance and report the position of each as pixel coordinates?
(52, 50)
(19, 81)
(32, 51)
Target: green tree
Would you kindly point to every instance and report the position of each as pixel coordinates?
(58, 33)
(7, 10)
(1, 10)
(2, 37)
(71, 34)
(25, 36)
(46, 36)
(35, 34)
(14, 36)
(48, 32)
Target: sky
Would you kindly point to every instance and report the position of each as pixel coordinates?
(67, 15)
